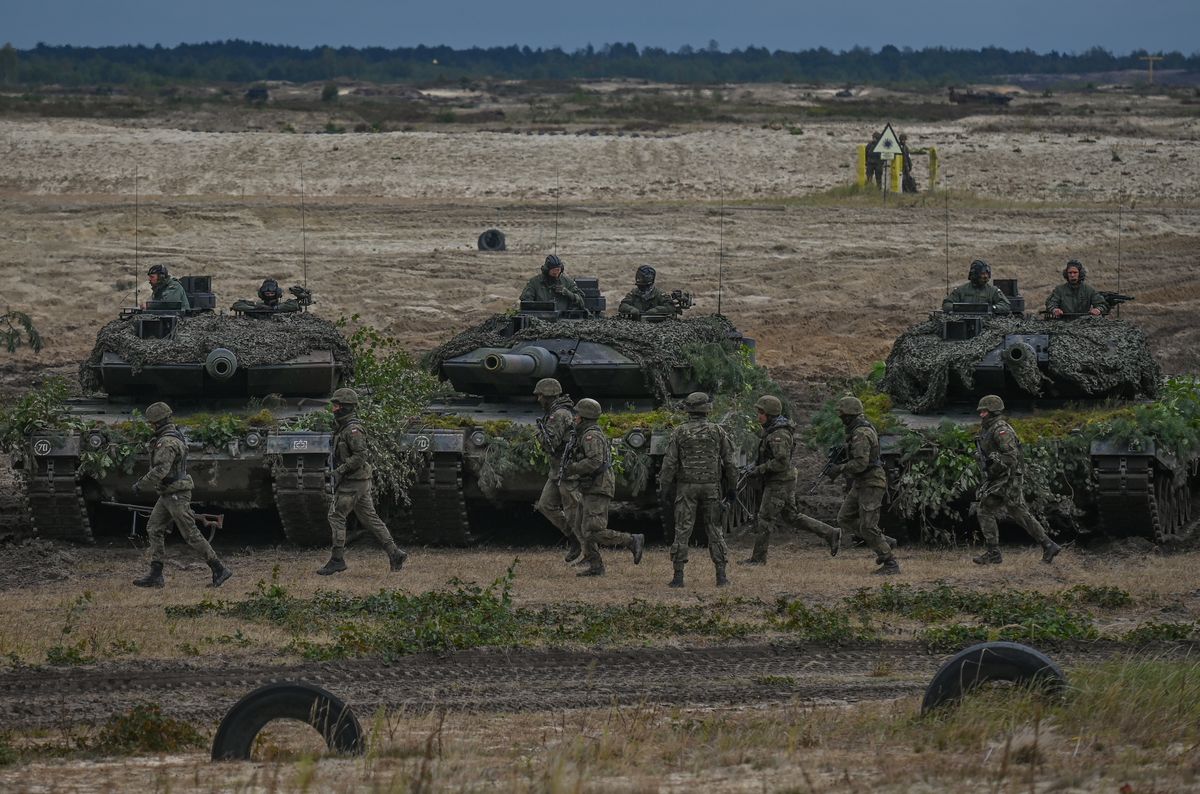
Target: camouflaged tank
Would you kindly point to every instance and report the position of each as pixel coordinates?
(938, 370)
(243, 386)
(479, 447)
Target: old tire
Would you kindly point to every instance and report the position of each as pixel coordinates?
(492, 240)
(295, 700)
(992, 661)
(221, 364)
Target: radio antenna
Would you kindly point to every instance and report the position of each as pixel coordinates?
(947, 197)
(303, 230)
(721, 245)
(1120, 223)
(557, 199)
(136, 268)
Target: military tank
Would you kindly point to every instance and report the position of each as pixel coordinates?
(468, 441)
(938, 370)
(246, 389)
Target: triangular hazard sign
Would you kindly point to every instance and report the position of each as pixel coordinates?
(889, 145)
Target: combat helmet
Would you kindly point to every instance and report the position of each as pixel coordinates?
(645, 276)
(158, 412)
(849, 406)
(697, 403)
(548, 387)
(552, 261)
(1077, 264)
(588, 408)
(157, 270)
(990, 403)
(345, 396)
(769, 405)
(977, 267)
(269, 291)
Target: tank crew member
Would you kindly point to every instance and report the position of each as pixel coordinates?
(554, 285)
(978, 290)
(867, 483)
(554, 429)
(168, 476)
(1075, 297)
(1002, 489)
(270, 298)
(774, 466)
(698, 460)
(588, 476)
(874, 162)
(645, 299)
(352, 486)
(166, 288)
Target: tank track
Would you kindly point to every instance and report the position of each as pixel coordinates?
(438, 513)
(303, 505)
(56, 508)
(1156, 502)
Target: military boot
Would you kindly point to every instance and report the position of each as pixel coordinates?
(722, 579)
(595, 568)
(888, 567)
(637, 546)
(755, 560)
(1050, 551)
(396, 558)
(990, 557)
(220, 573)
(337, 563)
(835, 542)
(678, 580)
(152, 579)
(573, 551)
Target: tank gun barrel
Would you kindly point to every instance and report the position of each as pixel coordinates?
(532, 361)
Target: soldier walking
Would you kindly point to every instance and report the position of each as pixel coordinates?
(554, 429)
(698, 459)
(169, 477)
(352, 488)
(588, 478)
(774, 466)
(867, 483)
(1002, 489)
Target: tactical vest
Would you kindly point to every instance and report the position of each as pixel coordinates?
(179, 470)
(574, 452)
(342, 451)
(699, 452)
(989, 445)
(876, 458)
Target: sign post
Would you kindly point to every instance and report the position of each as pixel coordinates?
(887, 148)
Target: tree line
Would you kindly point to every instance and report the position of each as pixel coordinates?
(247, 61)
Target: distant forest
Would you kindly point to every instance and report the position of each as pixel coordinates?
(246, 62)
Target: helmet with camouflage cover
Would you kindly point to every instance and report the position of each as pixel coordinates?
(548, 387)
(769, 405)
(345, 396)
(978, 268)
(645, 276)
(588, 408)
(158, 412)
(697, 403)
(990, 403)
(849, 406)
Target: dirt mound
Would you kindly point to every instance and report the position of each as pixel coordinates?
(33, 560)
(1101, 358)
(255, 341)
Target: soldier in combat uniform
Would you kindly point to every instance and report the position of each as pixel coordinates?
(588, 476)
(699, 458)
(1075, 297)
(867, 483)
(352, 489)
(554, 429)
(774, 465)
(645, 299)
(978, 290)
(1002, 491)
(168, 476)
(555, 286)
(166, 288)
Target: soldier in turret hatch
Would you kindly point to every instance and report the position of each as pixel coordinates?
(554, 285)
(166, 288)
(645, 299)
(978, 290)
(269, 300)
(1075, 297)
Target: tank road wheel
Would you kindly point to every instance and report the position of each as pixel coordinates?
(992, 661)
(310, 704)
(1163, 509)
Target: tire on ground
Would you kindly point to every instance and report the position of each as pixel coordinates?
(492, 240)
(311, 704)
(992, 661)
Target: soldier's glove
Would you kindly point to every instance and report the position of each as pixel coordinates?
(340, 471)
(835, 471)
(137, 488)
(748, 470)
(631, 314)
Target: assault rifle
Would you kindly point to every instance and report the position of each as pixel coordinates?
(210, 522)
(1115, 298)
(837, 455)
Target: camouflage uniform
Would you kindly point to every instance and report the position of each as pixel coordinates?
(555, 430)
(169, 289)
(168, 476)
(1076, 299)
(774, 466)
(978, 293)
(867, 483)
(1002, 490)
(648, 302)
(698, 459)
(562, 291)
(588, 478)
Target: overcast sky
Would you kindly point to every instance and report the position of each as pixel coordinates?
(1041, 25)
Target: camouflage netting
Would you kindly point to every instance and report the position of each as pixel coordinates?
(1101, 358)
(657, 347)
(255, 341)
